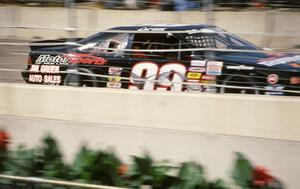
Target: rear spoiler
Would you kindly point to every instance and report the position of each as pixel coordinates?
(51, 43)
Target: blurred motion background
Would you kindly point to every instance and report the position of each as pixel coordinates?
(267, 23)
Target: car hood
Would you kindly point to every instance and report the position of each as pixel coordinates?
(270, 60)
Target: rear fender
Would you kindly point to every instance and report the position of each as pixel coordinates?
(36, 45)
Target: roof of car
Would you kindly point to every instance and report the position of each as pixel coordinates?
(164, 27)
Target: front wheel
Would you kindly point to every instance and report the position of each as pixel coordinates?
(80, 78)
(239, 85)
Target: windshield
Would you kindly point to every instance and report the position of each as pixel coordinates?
(217, 38)
(91, 39)
(105, 43)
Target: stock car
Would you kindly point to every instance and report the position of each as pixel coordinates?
(200, 58)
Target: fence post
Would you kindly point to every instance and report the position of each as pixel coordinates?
(74, 78)
(72, 26)
(11, 14)
(270, 26)
(208, 7)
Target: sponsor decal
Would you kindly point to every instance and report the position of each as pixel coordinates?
(29, 60)
(273, 56)
(295, 65)
(151, 29)
(49, 59)
(192, 81)
(295, 80)
(44, 69)
(279, 61)
(209, 77)
(34, 68)
(193, 75)
(114, 82)
(113, 85)
(209, 89)
(73, 58)
(198, 63)
(273, 78)
(49, 69)
(35, 78)
(241, 67)
(274, 90)
(214, 68)
(197, 69)
(80, 58)
(193, 87)
(52, 79)
(114, 79)
(47, 79)
(208, 82)
(115, 70)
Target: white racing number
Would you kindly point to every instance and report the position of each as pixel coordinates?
(143, 70)
(170, 76)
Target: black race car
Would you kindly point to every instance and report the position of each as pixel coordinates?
(199, 58)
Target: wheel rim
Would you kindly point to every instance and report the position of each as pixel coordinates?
(239, 83)
(78, 81)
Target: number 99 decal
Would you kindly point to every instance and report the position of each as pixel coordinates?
(168, 77)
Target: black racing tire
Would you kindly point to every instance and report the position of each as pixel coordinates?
(78, 78)
(239, 81)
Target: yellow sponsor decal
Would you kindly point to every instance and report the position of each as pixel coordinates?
(208, 82)
(114, 79)
(193, 75)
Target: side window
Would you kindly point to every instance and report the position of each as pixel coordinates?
(221, 45)
(107, 44)
(154, 42)
(201, 40)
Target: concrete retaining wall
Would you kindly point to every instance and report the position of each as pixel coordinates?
(270, 22)
(214, 152)
(177, 126)
(253, 116)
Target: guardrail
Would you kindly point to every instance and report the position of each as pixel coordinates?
(36, 180)
(96, 79)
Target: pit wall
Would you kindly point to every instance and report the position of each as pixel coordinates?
(54, 23)
(206, 128)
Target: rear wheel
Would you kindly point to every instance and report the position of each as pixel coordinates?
(239, 85)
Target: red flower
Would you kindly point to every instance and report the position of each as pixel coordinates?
(4, 139)
(122, 169)
(261, 176)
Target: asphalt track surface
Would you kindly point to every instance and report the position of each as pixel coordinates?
(13, 59)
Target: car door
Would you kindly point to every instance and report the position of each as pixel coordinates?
(203, 66)
(110, 47)
(154, 65)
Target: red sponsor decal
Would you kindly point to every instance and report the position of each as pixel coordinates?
(295, 80)
(295, 65)
(209, 77)
(272, 56)
(79, 58)
(273, 78)
(192, 81)
(29, 60)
